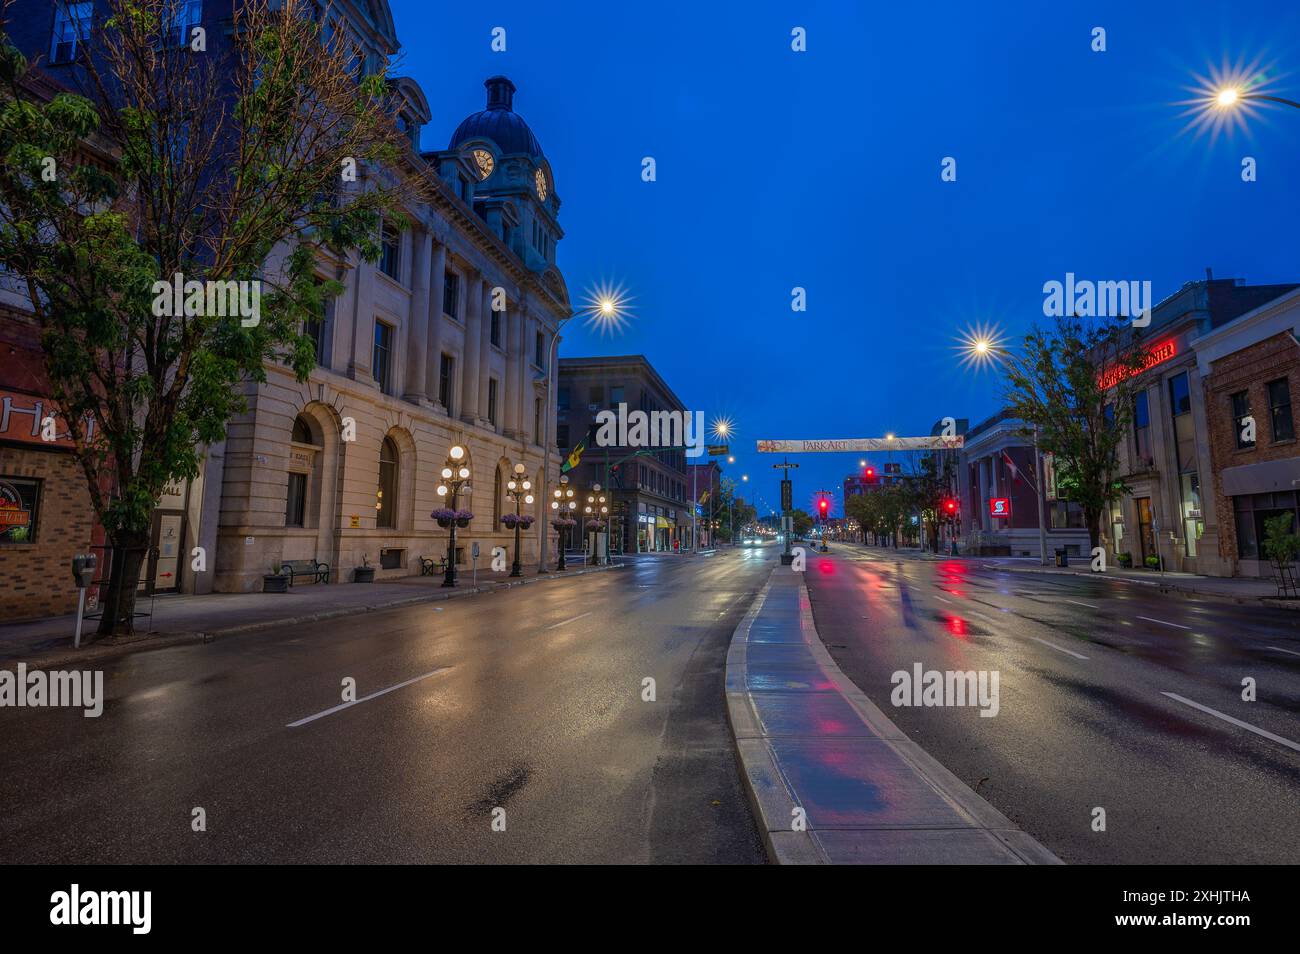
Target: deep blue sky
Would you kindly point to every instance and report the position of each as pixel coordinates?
(821, 169)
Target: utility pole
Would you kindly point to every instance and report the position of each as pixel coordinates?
(787, 506)
(826, 495)
(1040, 493)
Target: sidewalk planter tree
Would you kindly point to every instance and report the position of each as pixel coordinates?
(1152, 562)
(1125, 560)
(187, 171)
(365, 573)
(1281, 546)
(275, 581)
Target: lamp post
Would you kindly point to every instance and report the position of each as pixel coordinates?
(562, 506)
(1230, 96)
(455, 475)
(597, 509)
(518, 489)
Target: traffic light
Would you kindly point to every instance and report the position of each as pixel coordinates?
(869, 475)
(950, 507)
(823, 505)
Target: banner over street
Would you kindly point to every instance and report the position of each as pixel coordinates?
(955, 442)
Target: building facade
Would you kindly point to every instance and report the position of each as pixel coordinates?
(649, 484)
(1250, 367)
(1169, 515)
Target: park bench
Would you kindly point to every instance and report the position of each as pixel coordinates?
(432, 567)
(308, 570)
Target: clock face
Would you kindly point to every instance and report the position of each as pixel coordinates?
(539, 180)
(484, 162)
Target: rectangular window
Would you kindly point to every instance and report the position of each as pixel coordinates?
(187, 15)
(496, 329)
(1241, 411)
(20, 509)
(562, 402)
(71, 30)
(1142, 425)
(616, 395)
(539, 351)
(451, 295)
(598, 394)
(381, 358)
(537, 421)
(390, 251)
(296, 503)
(446, 374)
(1180, 404)
(562, 436)
(492, 401)
(1279, 404)
(316, 329)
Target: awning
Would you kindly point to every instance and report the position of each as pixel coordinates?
(1262, 478)
(663, 523)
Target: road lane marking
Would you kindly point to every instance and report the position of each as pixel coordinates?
(1237, 722)
(942, 600)
(1163, 623)
(565, 622)
(1077, 603)
(1060, 649)
(1281, 650)
(373, 695)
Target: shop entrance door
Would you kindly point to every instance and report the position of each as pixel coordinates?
(1145, 533)
(166, 550)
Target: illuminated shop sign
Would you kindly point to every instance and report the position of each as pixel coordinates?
(1157, 355)
(999, 506)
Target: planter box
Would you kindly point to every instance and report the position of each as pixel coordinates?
(363, 574)
(275, 583)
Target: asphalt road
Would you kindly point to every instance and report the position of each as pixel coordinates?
(1084, 720)
(527, 700)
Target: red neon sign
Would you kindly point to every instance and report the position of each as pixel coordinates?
(1157, 355)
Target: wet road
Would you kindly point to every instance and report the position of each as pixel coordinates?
(1089, 670)
(528, 700)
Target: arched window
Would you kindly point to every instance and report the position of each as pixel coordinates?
(295, 501)
(386, 495)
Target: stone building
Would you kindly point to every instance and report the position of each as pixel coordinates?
(449, 338)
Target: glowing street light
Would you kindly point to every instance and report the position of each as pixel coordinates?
(607, 308)
(980, 347)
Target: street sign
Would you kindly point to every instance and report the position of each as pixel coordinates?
(1000, 507)
(719, 450)
(787, 495)
(955, 442)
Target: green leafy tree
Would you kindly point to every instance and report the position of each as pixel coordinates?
(229, 164)
(1071, 383)
(1280, 544)
(802, 522)
(924, 490)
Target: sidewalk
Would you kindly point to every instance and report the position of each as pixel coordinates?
(808, 739)
(182, 619)
(1231, 589)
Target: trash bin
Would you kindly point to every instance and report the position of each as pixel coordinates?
(1062, 559)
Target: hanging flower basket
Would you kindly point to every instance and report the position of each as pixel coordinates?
(595, 525)
(463, 517)
(563, 523)
(512, 520)
(444, 516)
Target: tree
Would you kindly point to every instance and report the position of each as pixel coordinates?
(1071, 382)
(176, 162)
(925, 490)
(802, 522)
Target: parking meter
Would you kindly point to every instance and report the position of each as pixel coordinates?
(83, 574)
(83, 569)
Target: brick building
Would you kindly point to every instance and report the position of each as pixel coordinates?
(649, 485)
(45, 512)
(1251, 371)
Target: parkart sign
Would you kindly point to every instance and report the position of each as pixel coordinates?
(954, 442)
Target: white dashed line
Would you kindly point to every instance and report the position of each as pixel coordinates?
(1163, 623)
(1237, 722)
(566, 622)
(1281, 650)
(942, 600)
(1077, 603)
(373, 695)
(1059, 649)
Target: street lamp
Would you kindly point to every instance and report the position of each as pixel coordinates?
(455, 476)
(518, 489)
(597, 509)
(563, 506)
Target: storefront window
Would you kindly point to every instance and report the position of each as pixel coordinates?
(1193, 521)
(20, 500)
(1251, 511)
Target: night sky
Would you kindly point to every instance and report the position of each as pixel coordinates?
(821, 169)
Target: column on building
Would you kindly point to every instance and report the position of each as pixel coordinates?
(986, 490)
(437, 282)
(417, 350)
(485, 350)
(514, 372)
(469, 406)
(363, 323)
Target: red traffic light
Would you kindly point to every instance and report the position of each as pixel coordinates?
(823, 504)
(870, 472)
(950, 506)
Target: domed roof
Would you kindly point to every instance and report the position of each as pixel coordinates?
(499, 122)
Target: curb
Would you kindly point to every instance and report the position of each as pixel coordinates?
(771, 793)
(1172, 589)
(163, 639)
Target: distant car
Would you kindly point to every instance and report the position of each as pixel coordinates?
(751, 541)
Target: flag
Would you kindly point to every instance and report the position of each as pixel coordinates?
(575, 456)
(1016, 474)
(704, 497)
